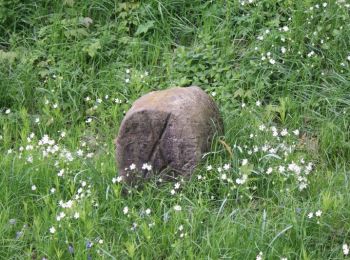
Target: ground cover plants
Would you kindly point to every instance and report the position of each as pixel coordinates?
(275, 186)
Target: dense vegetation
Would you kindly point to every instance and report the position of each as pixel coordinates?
(275, 186)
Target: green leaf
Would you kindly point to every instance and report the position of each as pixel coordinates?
(7, 56)
(248, 94)
(130, 248)
(144, 28)
(68, 2)
(76, 33)
(239, 93)
(93, 48)
(247, 169)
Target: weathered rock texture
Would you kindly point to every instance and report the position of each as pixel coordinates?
(168, 129)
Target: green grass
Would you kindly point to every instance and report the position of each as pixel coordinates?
(63, 64)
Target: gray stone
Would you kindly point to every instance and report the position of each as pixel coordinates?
(168, 129)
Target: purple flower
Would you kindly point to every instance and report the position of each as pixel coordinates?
(89, 244)
(71, 249)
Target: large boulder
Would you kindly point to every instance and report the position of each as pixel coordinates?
(168, 130)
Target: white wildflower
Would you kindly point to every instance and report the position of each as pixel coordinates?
(311, 53)
(52, 230)
(296, 132)
(308, 168)
(318, 213)
(269, 170)
(177, 208)
(147, 167)
(60, 173)
(262, 127)
(223, 176)
(345, 249)
(244, 162)
(302, 186)
(294, 168)
(281, 169)
(125, 210)
(118, 179)
(284, 132)
(80, 153)
(242, 180)
(285, 28)
(29, 147)
(30, 159)
(132, 166)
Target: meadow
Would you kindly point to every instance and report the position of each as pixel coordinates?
(274, 186)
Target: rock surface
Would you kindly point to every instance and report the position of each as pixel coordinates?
(169, 130)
